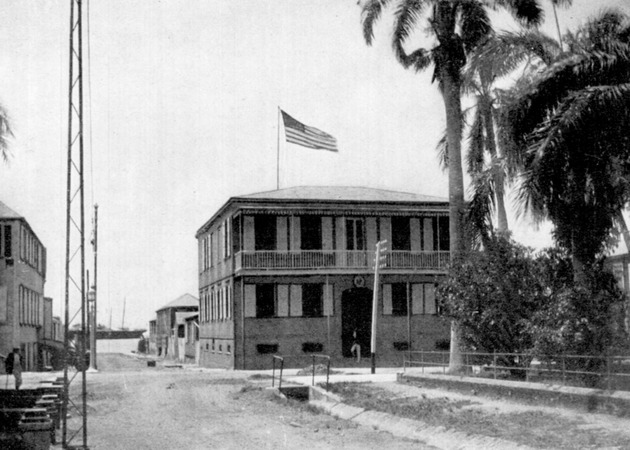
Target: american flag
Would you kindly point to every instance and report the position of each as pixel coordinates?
(300, 134)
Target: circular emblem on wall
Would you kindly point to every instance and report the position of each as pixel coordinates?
(359, 281)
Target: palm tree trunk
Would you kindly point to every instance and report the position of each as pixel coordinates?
(499, 178)
(452, 104)
(555, 15)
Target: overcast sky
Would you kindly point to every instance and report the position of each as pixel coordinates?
(182, 102)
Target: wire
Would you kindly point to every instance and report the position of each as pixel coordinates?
(89, 100)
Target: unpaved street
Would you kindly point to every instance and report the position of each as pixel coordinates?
(132, 406)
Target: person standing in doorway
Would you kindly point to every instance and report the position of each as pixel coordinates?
(356, 347)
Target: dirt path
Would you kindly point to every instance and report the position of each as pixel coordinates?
(134, 407)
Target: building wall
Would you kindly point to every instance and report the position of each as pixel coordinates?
(22, 277)
(292, 335)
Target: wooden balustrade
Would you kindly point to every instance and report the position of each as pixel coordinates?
(338, 259)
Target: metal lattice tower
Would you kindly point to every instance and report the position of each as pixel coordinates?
(75, 282)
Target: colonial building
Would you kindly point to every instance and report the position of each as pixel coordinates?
(169, 337)
(290, 272)
(24, 313)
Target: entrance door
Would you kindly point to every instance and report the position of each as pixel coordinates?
(356, 315)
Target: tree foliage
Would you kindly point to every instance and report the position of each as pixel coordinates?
(509, 299)
(571, 125)
(494, 293)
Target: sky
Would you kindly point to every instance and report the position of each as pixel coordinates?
(182, 103)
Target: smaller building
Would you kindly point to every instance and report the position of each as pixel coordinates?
(167, 332)
(191, 354)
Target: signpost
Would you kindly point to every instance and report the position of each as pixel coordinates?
(380, 261)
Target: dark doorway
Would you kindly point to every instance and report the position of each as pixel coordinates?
(356, 315)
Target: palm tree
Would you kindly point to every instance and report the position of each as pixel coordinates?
(457, 27)
(572, 125)
(5, 133)
(487, 163)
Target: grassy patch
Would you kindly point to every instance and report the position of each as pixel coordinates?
(533, 428)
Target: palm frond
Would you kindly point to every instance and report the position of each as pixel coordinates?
(371, 12)
(528, 12)
(476, 144)
(442, 151)
(582, 115)
(407, 16)
(5, 133)
(482, 202)
(503, 53)
(475, 23)
(571, 74)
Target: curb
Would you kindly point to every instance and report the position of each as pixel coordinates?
(402, 427)
(584, 399)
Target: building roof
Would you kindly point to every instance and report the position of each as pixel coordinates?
(8, 213)
(183, 301)
(331, 196)
(342, 193)
(181, 317)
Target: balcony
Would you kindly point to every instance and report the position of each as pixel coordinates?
(338, 260)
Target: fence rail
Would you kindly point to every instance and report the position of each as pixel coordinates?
(610, 372)
(277, 359)
(347, 259)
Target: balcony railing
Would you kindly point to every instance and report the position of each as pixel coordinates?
(338, 259)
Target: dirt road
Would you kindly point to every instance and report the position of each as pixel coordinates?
(131, 406)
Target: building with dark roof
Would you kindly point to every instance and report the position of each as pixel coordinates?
(290, 272)
(25, 315)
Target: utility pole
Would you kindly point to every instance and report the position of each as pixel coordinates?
(75, 273)
(380, 261)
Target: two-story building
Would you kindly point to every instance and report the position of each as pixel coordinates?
(22, 277)
(290, 272)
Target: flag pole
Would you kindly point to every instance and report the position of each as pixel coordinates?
(278, 154)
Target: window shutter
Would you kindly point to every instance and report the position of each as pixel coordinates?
(3, 303)
(248, 234)
(296, 238)
(250, 300)
(387, 299)
(429, 299)
(428, 235)
(283, 300)
(296, 300)
(328, 300)
(371, 233)
(416, 235)
(416, 299)
(282, 233)
(386, 231)
(327, 233)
